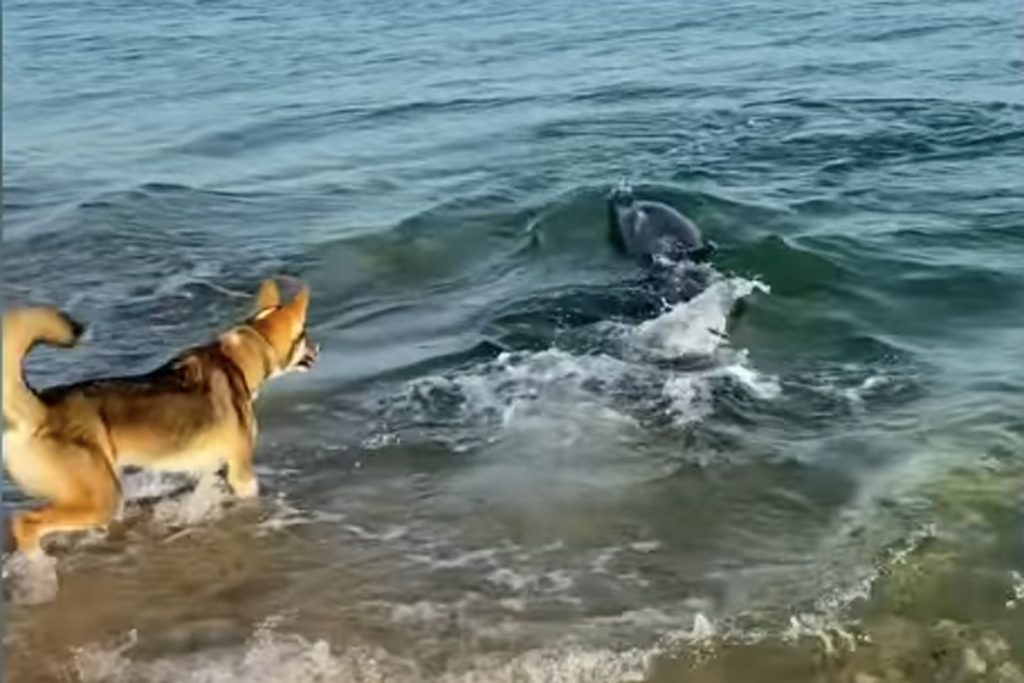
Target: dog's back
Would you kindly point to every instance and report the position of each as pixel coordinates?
(173, 418)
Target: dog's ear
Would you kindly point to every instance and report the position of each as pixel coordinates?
(268, 296)
(300, 304)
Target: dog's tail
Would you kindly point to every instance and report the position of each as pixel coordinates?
(23, 329)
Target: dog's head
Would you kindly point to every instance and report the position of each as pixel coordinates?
(283, 327)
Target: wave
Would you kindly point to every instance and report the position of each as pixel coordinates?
(271, 657)
(626, 382)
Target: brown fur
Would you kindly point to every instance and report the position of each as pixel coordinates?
(66, 444)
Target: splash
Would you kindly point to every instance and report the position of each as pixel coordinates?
(832, 636)
(514, 387)
(205, 502)
(269, 657)
(696, 331)
(1017, 590)
(30, 579)
(602, 386)
(273, 657)
(695, 328)
(689, 398)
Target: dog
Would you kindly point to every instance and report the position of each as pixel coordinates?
(67, 444)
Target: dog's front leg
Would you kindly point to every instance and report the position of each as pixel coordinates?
(240, 475)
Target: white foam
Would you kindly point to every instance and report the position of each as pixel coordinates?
(695, 328)
(107, 664)
(285, 515)
(703, 631)
(33, 579)
(833, 637)
(759, 386)
(1017, 589)
(689, 397)
(422, 612)
(269, 657)
(382, 440)
(468, 558)
(527, 389)
(857, 394)
(521, 380)
(554, 393)
(517, 605)
(506, 578)
(570, 665)
(205, 502)
(641, 617)
(208, 500)
(645, 546)
(602, 561)
(180, 499)
(152, 484)
(30, 579)
(495, 389)
(272, 657)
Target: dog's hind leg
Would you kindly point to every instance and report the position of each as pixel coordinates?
(83, 490)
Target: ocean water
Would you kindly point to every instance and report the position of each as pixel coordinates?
(514, 461)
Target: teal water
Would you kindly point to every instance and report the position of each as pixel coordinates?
(513, 461)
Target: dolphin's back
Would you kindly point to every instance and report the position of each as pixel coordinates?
(661, 226)
(653, 230)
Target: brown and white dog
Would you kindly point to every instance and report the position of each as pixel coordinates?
(66, 444)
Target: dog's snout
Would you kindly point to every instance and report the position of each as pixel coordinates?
(309, 356)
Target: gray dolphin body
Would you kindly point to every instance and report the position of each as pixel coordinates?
(654, 232)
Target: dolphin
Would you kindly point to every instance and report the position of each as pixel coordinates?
(654, 232)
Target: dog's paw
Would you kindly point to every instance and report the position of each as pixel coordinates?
(246, 488)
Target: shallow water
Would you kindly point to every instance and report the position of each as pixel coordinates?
(513, 461)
